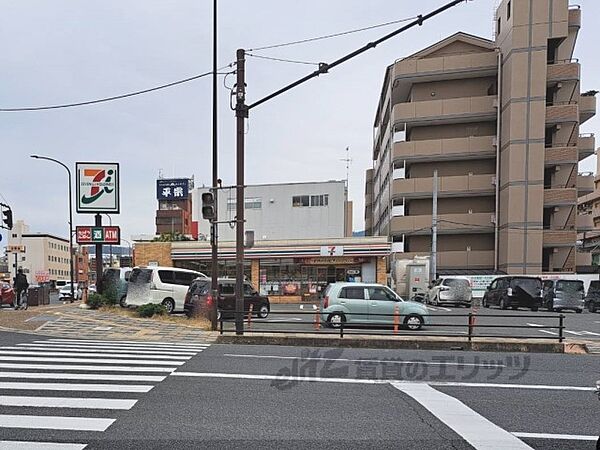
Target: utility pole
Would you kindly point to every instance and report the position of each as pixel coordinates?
(434, 221)
(99, 263)
(241, 113)
(214, 227)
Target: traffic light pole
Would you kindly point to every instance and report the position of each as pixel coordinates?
(241, 113)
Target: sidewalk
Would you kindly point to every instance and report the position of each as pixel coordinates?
(72, 322)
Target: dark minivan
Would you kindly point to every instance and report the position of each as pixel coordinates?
(592, 299)
(514, 292)
(199, 297)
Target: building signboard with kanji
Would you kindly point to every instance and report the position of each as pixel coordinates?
(172, 189)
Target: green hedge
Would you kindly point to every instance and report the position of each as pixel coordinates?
(151, 309)
(95, 301)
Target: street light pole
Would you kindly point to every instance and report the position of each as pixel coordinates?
(70, 219)
(110, 247)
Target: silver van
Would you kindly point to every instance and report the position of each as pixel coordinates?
(562, 294)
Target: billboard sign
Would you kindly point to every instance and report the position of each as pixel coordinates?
(97, 188)
(98, 235)
(172, 189)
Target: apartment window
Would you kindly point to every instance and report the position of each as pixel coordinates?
(319, 200)
(498, 26)
(14, 235)
(253, 203)
(508, 10)
(300, 200)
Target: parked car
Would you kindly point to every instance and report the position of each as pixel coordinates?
(514, 292)
(7, 294)
(92, 289)
(361, 304)
(454, 290)
(164, 285)
(117, 278)
(199, 298)
(592, 299)
(65, 292)
(564, 294)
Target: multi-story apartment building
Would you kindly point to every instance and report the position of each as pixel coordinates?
(499, 122)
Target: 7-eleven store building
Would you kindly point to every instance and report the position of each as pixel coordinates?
(287, 271)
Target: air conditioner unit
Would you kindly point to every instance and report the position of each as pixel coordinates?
(494, 141)
(495, 103)
(554, 250)
(493, 218)
(494, 180)
(556, 209)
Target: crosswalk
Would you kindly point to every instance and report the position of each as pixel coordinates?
(77, 386)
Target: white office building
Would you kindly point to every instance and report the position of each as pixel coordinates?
(313, 210)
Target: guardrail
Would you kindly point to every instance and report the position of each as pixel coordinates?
(396, 323)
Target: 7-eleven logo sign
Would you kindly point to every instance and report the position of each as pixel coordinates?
(332, 250)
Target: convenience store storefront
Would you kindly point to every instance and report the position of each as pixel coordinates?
(287, 271)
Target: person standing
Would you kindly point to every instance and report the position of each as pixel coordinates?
(21, 286)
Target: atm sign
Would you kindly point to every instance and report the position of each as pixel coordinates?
(98, 235)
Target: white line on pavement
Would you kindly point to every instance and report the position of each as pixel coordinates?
(91, 354)
(98, 368)
(243, 376)
(75, 387)
(99, 348)
(67, 402)
(92, 361)
(534, 325)
(568, 437)
(81, 376)
(142, 343)
(55, 422)
(380, 361)
(548, 332)
(30, 445)
(471, 426)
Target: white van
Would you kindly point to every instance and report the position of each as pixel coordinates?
(164, 285)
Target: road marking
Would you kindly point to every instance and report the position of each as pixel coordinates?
(568, 437)
(430, 308)
(471, 426)
(432, 363)
(243, 376)
(81, 376)
(535, 325)
(67, 402)
(55, 422)
(142, 343)
(91, 354)
(92, 361)
(26, 445)
(314, 307)
(75, 387)
(582, 333)
(86, 368)
(99, 348)
(298, 319)
(548, 332)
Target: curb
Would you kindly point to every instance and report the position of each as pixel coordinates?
(407, 344)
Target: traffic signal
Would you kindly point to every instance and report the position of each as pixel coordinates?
(209, 210)
(7, 217)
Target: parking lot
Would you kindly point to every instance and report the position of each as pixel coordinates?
(449, 320)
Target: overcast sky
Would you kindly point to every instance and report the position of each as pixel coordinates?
(66, 51)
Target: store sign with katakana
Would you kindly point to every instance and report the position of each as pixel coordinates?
(172, 189)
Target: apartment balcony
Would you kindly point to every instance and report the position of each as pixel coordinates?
(447, 224)
(587, 107)
(483, 259)
(562, 112)
(561, 154)
(586, 145)
(585, 183)
(583, 259)
(568, 70)
(560, 196)
(585, 222)
(445, 149)
(468, 65)
(452, 110)
(574, 16)
(450, 186)
(559, 238)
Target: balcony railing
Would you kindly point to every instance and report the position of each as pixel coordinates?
(470, 63)
(560, 112)
(474, 146)
(560, 196)
(447, 223)
(447, 186)
(567, 70)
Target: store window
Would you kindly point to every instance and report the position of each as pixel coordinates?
(300, 201)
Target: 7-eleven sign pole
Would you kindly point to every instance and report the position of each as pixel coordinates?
(99, 258)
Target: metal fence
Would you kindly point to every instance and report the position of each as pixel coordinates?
(471, 327)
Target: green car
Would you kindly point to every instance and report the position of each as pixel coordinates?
(369, 304)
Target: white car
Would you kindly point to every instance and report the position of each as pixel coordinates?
(455, 290)
(65, 292)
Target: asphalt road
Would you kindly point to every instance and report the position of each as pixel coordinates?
(540, 324)
(229, 396)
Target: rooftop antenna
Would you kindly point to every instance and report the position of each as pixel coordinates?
(347, 160)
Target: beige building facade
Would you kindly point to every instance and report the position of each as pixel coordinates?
(498, 120)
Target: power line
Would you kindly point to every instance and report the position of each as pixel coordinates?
(293, 61)
(328, 36)
(116, 97)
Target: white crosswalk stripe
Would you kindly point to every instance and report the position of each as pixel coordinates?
(43, 376)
